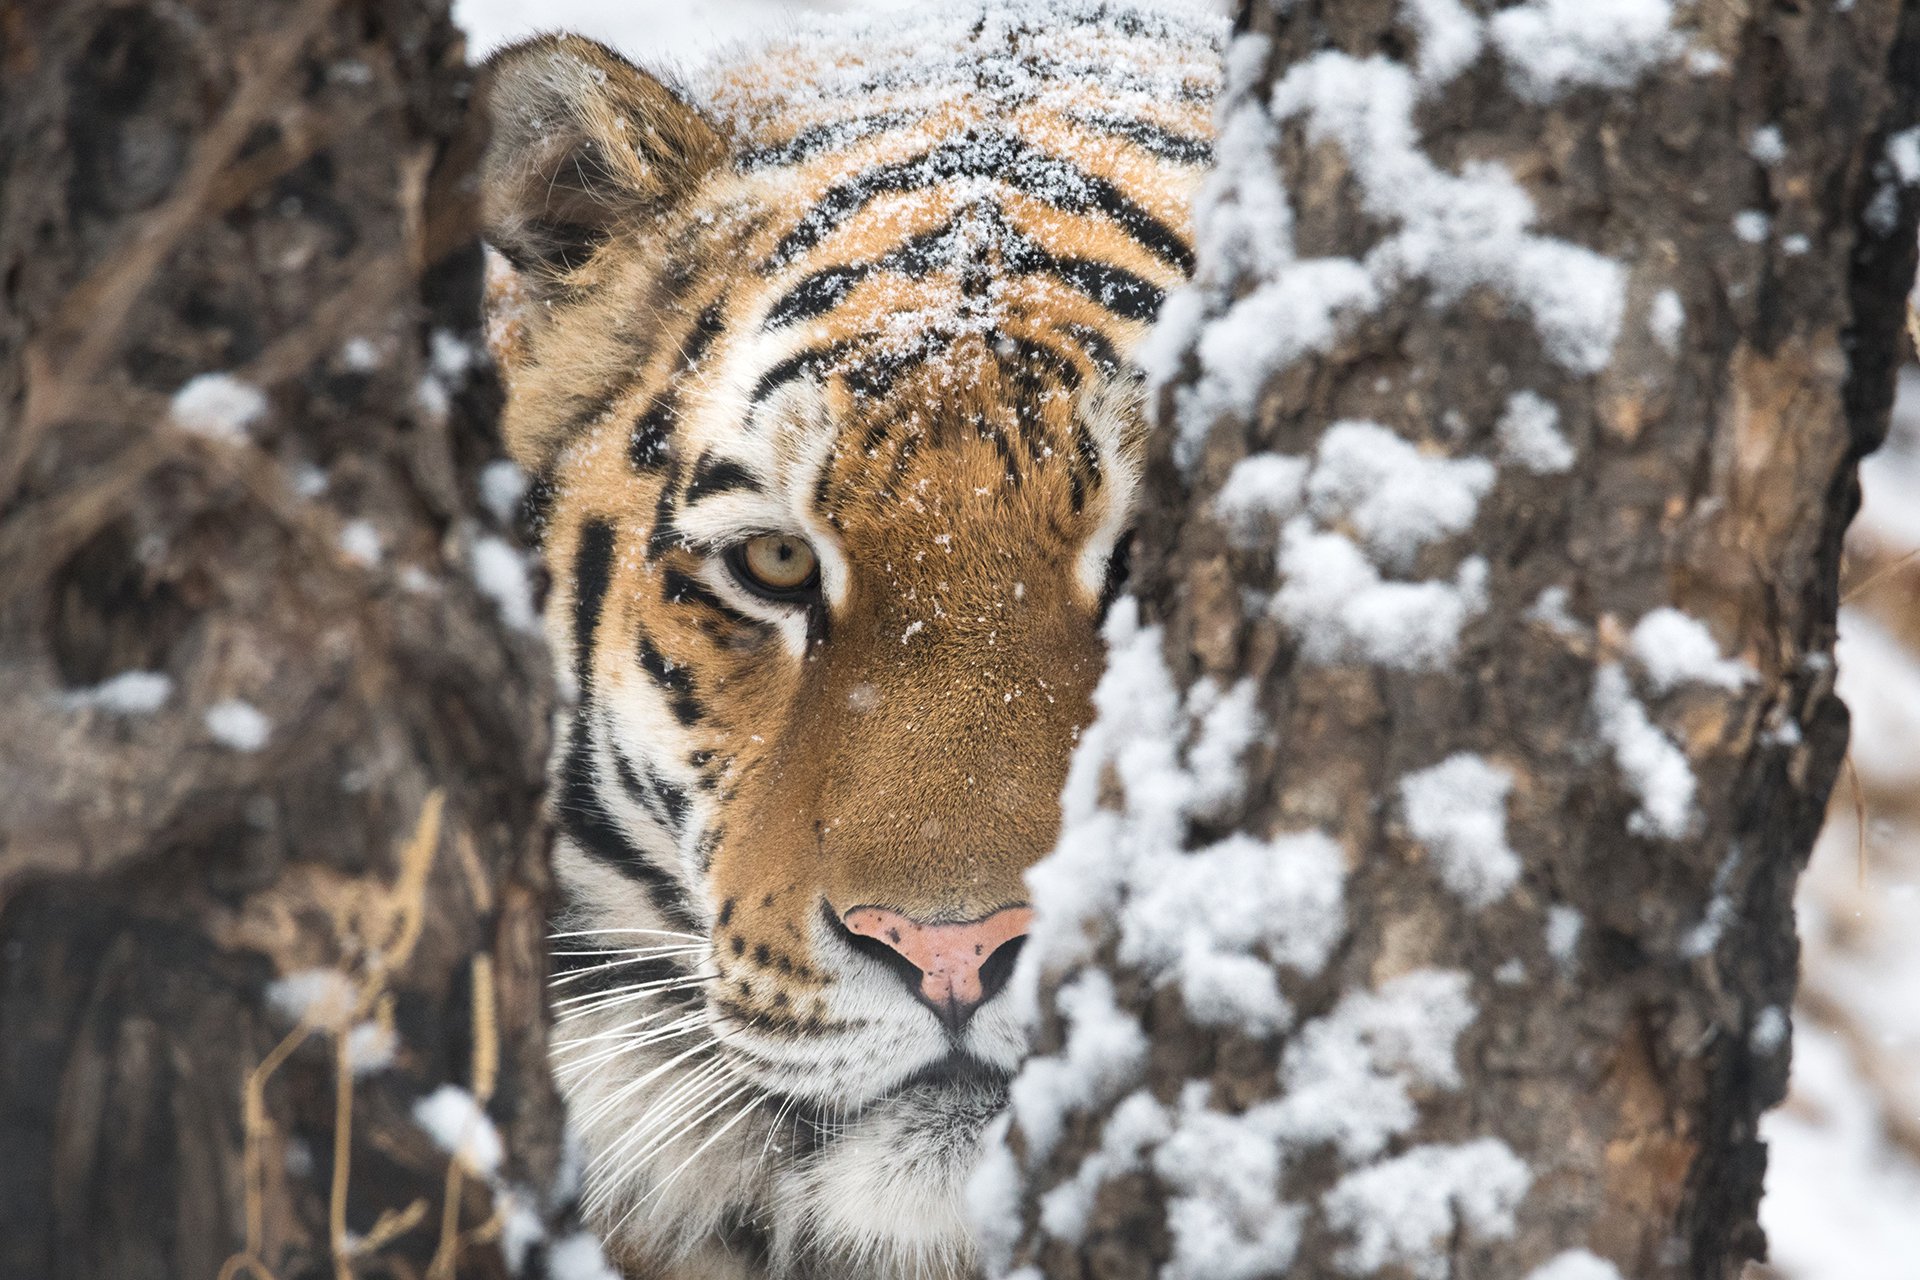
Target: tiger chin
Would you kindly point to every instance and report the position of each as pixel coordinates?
(821, 369)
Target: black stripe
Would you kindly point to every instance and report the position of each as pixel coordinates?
(1089, 452)
(1031, 363)
(585, 819)
(1010, 462)
(1111, 77)
(1152, 138)
(651, 444)
(1115, 288)
(585, 410)
(664, 536)
(536, 506)
(815, 295)
(706, 327)
(1033, 366)
(822, 486)
(676, 681)
(713, 475)
(1026, 169)
(1098, 348)
(674, 797)
(592, 571)
(684, 588)
(873, 375)
(665, 801)
(1148, 231)
(812, 141)
(639, 788)
(802, 364)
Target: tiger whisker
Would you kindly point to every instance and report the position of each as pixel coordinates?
(659, 1124)
(661, 933)
(661, 1186)
(574, 975)
(629, 1029)
(657, 1035)
(718, 1134)
(639, 1082)
(598, 1001)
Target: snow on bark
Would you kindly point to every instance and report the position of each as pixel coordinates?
(1458, 809)
(1465, 546)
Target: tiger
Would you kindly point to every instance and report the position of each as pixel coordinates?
(824, 370)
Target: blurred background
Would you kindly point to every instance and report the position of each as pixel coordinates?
(1843, 1185)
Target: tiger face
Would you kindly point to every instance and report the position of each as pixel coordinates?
(823, 379)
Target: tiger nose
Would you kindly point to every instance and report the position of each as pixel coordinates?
(954, 968)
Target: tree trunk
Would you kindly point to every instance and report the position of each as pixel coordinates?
(1423, 907)
(271, 856)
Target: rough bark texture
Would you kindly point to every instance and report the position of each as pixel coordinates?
(1717, 478)
(278, 191)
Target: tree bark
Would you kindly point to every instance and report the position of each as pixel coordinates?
(264, 895)
(1547, 1009)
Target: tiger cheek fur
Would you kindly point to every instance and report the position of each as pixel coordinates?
(867, 311)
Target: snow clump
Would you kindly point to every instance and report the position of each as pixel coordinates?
(1654, 768)
(1342, 610)
(1553, 46)
(1674, 648)
(359, 542)
(456, 1121)
(1262, 491)
(324, 998)
(1769, 1031)
(1395, 497)
(1456, 231)
(579, 1257)
(218, 406)
(1752, 226)
(1451, 37)
(1349, 1076)
(1405, 1211)
(1458, 810)
(500, 572)
(1766, 145)
(502, 486)
(1575, 1264)
(131, 693)
(1565, 925)
(1552, 609)
(1282, 896)
(1530, 438)
(238, 725)
(1666, 320)
(1226, 1216)
(1136, 1126)
(1229, 723)
(1105, 1050)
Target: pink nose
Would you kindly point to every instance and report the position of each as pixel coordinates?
(949, 957)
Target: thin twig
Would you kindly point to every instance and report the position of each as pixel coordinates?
(1859, 817)
(1873, 579)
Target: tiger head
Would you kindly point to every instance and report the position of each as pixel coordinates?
(823, 379)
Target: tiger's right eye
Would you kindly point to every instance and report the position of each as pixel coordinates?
(777, 567)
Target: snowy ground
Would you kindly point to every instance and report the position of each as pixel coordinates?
(1843, 1198)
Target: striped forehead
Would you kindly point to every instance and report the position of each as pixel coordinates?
(874, 223)
(897, 249)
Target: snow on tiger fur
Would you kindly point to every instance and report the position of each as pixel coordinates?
(821, 369)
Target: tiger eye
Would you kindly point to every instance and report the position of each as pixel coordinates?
(778, 562)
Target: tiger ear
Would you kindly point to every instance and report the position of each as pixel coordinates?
(582, 143)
